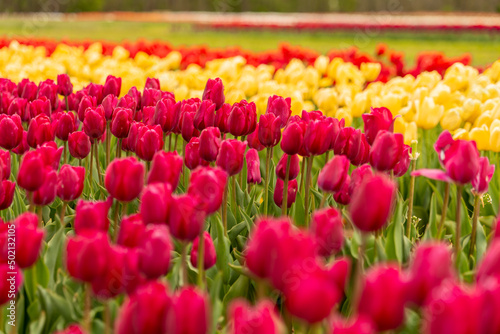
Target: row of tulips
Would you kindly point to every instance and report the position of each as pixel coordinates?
(161, 242)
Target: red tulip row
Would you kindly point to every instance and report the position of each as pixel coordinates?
(131, 253)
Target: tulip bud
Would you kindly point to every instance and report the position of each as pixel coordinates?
(120, 122)
(372, 202)
(186, 217)
(483, 177)
(293, 136)
(70, 182)
(205, 115)
(8, 290)
(280, 107)
(242, 118)
(124, 179)
(155, 250)
(109, 104)
(40, 131)
(328, 229)
(113, 86)
(221, 116)
(47, 192)
(357, 148)
(11, 129)
(379, 119)
(230, 156)
(5, 165)
(128, 101)
(189, 303)
(253, 140)
(253, 166)
(166, 168)
(155, 203)
(333, 175)
(209, 143)
(269, 130)
(318, 136)
(386, 150)
(192, 157)
(278, 192)
(96, 91)
(214, 91)
(166, 114)
(462, 166)
(294, 169)
(130, 143)
(131, 231)
(208, 184)
(247, 319)
(403, 162)
(149, 141)
(29, 239)
(79, 144)
(209, 255)
(86, 257)
(87, 102)
(31, 175)
(94, 123)
(358, 175)
(64, 85)
(342, 196)
(152, 83)
(51, 154)
(23, 146)
(8, 188)
(27, 90)
(19, 107)
(150, 97)
(92, 216)
(48, 89)
(65, 125)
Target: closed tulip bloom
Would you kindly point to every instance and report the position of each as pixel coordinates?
(145, 311)
(79, 144)
(51, 154)
(29, 239)
(242, 118)
(86, 257)
(209, 255)
(189, 303)
(95, 91)
(342, 196)
(269, 130)
(231, 154)
(120, 122)
(8, 188)
(357, 148)
(128, 101)
(19, 107)
(155, 251)
(192, 157)
(109, 104)
(403, 162)
(488, 295)
(280, 107)
(253, 166)
(27, 89)
(358, 175)
(132, 229)
(149, 141)
(155, 203)
(253, 140)
(221, 116)
(23, 146)
(124, 179)
(150, 97)
(166, 114)
(386, 150)
(48, 89)
(208, 184)
(113, 85)
(442, 144)
(340, 145)
(165, 168)
(294, 170)
(31, 175)
(153, 83)
(40, 131)
(65, 125)
(85, 103)
(318, 136)
(483, 177)
(488, 267)
(247, 319)
(214, 91)
(47, 192)
(130, 143)
(11, 129)
(186, 125)
(205, 115)
(379, 119)
(358, 325)
(5, 165)
(293, 136)
(328, 229)
(186, 217)
(431, 265)
(463, 164)
(92, 216)
(64, 85)
(70, 182)
(6, 289)
(383, 298)
(332, 176)
(371, 204)
(209, 143)
(71, 329)
(337, 126)
(94, 123)
(278, 192)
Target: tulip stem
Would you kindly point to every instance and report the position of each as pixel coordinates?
(458, 225)
(475, 218)
(115, 221)
(358, 279)
(445, 208)
(327, 157)
(184, 271)
(67, 103)
(284, 205)
(118, 149)
(108, 142)
(234, 203)
(323, 200)
(266, 181)
(99, 176)
(224, 209)
(410, 199)
(63, 212)
(65, 152)
(201, 259)
(184, 169)
(39, 212)
(30, 199)
(90, 170)
(302, 171)
(86, 309)
(175, 142)
(107, 318)
(170, 142)
(307, 186)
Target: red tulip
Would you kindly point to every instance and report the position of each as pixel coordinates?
(209, 255)
(5, 165)
(47, 192)
(112, 86)
(186, 217)
(253, 140)
(92, 216)
(221, 116)
(337, 127)
(208, 184)
(23, 146)
(242, 118)
(386, 150)
(109, 104)
(357, 148)
(19, 107)
(155, 203)
(379, 119)
(9, 187)
(278, 192)
(79, 144)
(189, 303)
(166, 168)
(132, 229)
(124, 179)
(70, 182)
(332, 176)
(51, 154)
(149, 141)
(342, 196)
(293, 136)
(155, 250)
(318, 136)
(153, 83)
(357, 177)
(463, 164)
(483, 177)
(253, 166)
(280, 107)
(340, 144)
(31, 175)
(210, 139)
(11, 129)
(269, 130)
(186, 125)
(294, 169)
(358, 325)
(328, 229)
(214, 91)
(64, 85)
(65, 125)
(120, 122)
(231, 155)
(192, 157)
(150, 97)
(205, 115)
(403, 162)
(94, 123)
(247, 319)
(40, 131)
(87, 102)
(166, 114)
(86, 258)
(28, 239)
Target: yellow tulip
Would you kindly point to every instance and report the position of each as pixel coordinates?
(481, 136)
(428, 113)
(451, 119)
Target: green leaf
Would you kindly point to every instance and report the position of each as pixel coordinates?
(299, 211)
(394, 235)
(432, 227)
(53, 254)
(481, 242)
(238, 289)
(222, 249)
(237, 230)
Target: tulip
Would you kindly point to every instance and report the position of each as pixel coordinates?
(209, 254)
(221, 116)
(51, 154)
(209, 143)
(327, 227)
(79, 144)
(11, 129)
(342, 196)
(253, 166)
(186, 125)
(65, 125)
(31, 175)
(294, 169)
(5, 165)
(372, 202)
(109, 104)
(155, 203)
(386, 150)
(279, 107)
(86, 257)
(27, 90)
(124, 179)
(441, 146)
(87, 102)
(153, 83)
(28, 239)
(247, 319)
(242, 118)
(379, 119)
(145, 311)
(269, 130)
(189, 303)
(318, 136)
(208, 184)
(47, 192)
(291, 194)
(165, 168)
(8, 290)
(112, 86)
(96, 91)
(431, 266)
(337, 127)
(231, 155)
(186, 217)
(403, 162)
(214, 91)
(333, 175)
(150, 97)
(192, 157)
(130, 143)
(149, 141)
(205, 115)
(358, 325)
(71, 329)
(48, 89)
(155, 250)
(120, 122)
(64, 85)
(19, 107)
(129, 101)
(488, 297)
(23, 146)
(132, 229)
(166, 114)
(357, 148)
(463, 164)
(9, 187)
(253, 140)
(92, 216)
(341, 144)
(94, 123)
(70, 182)
(40, 131)
(383, 298)
(357, 177)
(483, 177)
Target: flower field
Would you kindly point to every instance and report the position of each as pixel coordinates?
(148, 188)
